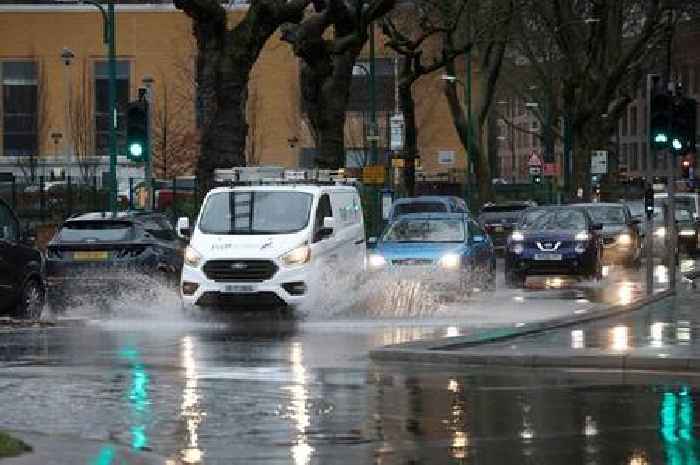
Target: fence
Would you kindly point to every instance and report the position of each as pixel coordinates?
(46, 200)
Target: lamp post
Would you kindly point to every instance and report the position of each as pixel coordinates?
(109, 26)
(67, 56)
(148, 81)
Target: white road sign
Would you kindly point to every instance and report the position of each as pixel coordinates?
(599, 162)
(397, 127)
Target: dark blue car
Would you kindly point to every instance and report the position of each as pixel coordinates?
(448, 250)
(553, 241)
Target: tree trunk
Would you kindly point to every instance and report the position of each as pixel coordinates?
(225, 58)
(483, 166)
(408, 107)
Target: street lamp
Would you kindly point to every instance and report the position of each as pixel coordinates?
(148, 81)
(67, 56)
(108, 31)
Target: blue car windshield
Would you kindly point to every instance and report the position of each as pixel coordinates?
(425, 230)
(560, 220)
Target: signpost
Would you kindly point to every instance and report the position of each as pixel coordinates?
(599, 162)
(396, 124)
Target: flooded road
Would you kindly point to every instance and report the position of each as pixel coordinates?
(302, 391)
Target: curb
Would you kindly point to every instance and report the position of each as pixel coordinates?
(446, 350)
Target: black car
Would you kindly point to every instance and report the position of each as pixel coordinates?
(499, 219)
(553, 241)
(22, 289)
(95, 253)
(621, 238)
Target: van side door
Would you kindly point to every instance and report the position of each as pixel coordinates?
(350, 232)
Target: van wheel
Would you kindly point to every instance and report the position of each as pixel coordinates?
(32, 300)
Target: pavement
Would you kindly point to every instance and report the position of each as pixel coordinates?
(655, 333)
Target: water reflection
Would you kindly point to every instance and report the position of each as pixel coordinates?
(139, 400)
(656, 332)
(661, 274)
(578, 339)
(456, 422)
(298, 410)
(625, 293)
(190, 408)
(619, 338)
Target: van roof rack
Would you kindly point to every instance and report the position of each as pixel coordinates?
(275, 175)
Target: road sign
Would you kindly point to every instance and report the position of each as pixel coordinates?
(398, 162)
(534, 160)
(373, 174)
(599, 162)
(397, 125)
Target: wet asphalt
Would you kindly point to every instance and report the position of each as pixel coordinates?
(301, 390)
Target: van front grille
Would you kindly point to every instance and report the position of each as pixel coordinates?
(249, 271)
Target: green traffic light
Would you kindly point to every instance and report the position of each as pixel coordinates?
(135, 150)
(676, 144)
(661, 138)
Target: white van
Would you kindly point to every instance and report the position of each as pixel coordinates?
(266, 243)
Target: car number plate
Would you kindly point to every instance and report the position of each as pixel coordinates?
(548, 257)
(499, 228)
(239, 288)
(93, 256)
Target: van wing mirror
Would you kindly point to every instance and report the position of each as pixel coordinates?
(597, 226)
(183, 228)
(327, 229)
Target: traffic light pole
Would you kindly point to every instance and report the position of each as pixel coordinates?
(112, 91)
(671, 227)
(649, 237)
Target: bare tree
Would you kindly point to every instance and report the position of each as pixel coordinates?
(81, 127)
(328, 41)
(225, 58)
(485, 33)
(415, 32)
(256, 134)
(586, 59)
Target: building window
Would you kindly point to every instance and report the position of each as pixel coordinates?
(633, 121)
(19, 108)
(102, 117)
(625, 156)
(634, 153)
(623, 125)
(384, 85)
(647, 162)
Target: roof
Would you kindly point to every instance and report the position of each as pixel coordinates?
(433, 216)
(599, 204)
(425, 198)
(107, 216)
(288, 187)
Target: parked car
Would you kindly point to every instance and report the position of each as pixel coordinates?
(498, 219)
(22, 285)
(557, 241)
(687, 208)
(427, 204)
(271, 245)
(638, 212)
(450, 250)
(97, 253)
(622, 244)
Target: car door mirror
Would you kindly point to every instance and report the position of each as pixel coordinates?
(29, 236)
(372, 241)
(327, 230)
(183, 228)
(597, 226)
(478, 238)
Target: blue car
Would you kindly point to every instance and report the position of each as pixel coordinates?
(449, 251)
(427, 204)
(553, 241)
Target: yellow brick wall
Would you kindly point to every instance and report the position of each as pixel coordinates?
(157, 41)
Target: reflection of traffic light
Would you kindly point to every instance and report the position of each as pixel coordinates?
(537, 179)
(137, 130)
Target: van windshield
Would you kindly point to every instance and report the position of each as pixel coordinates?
(255, 212)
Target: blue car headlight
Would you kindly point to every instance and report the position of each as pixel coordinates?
(450, 261)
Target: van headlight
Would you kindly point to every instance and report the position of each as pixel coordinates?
(660, 232)
(297, 256)
(624, 239)
(582, 236)
(517, 236)
(376, 261)
(192, 257)
(451, 261)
